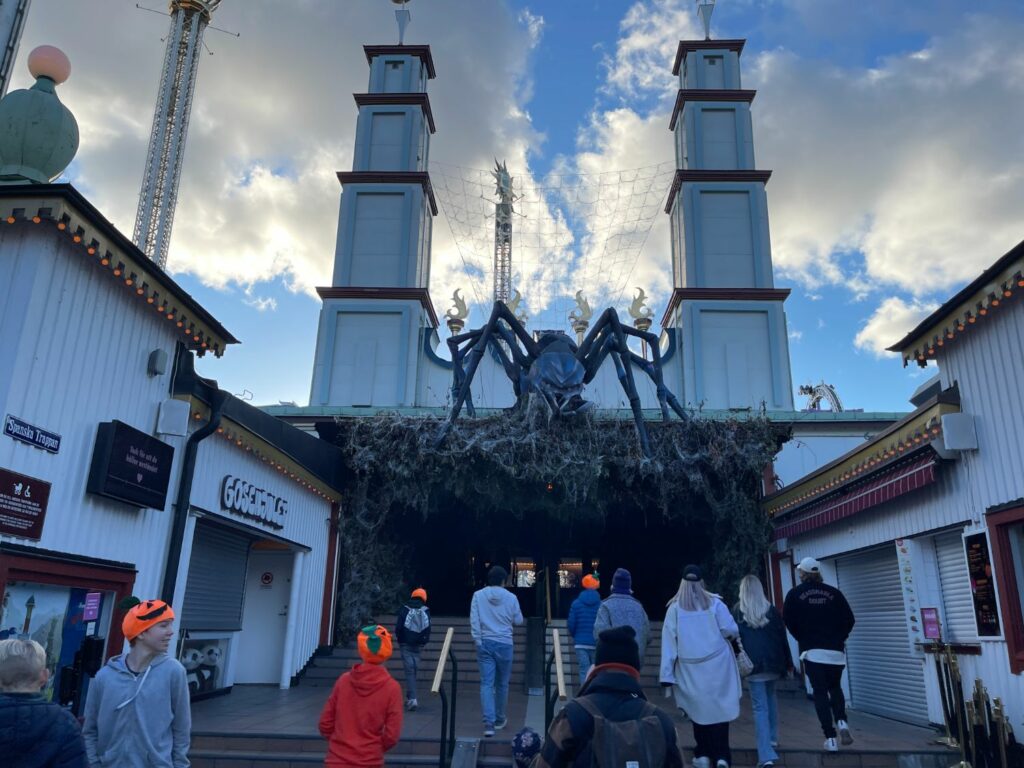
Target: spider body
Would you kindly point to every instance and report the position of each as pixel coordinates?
(555, 368)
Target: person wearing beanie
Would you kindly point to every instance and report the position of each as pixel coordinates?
(492, 614)
(362, 718)
(621, 609)
(582, 616)
(412, 632)
(137, 707)
(612, 694)
(820, 620)
(698, 662)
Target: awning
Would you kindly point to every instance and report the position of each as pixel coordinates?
(878, 490)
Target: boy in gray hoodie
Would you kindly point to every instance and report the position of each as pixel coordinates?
(492, 614)
(137, 710)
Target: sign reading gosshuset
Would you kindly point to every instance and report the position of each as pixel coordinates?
(130, 466)
(22, 504)
(236, 495)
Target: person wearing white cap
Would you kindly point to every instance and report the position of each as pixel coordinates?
(820, 619)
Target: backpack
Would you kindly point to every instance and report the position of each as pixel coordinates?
(417, 621)
(636, 743)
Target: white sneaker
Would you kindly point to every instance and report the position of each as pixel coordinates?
(844, 733)
(721, 764)
(413, 704)
(702, 762)
(831, 746)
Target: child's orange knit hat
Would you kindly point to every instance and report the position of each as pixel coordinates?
(374, 644)
(590, 581)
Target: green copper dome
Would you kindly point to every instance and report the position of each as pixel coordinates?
(38, 134)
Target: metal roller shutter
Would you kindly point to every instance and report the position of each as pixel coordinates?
(884, 678)
(215, 591)
(957, 601)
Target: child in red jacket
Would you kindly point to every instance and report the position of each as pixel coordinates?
(363, 717)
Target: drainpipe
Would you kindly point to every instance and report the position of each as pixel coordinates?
(188, 466)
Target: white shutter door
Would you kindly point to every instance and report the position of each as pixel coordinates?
(957, 602)
(884, 678)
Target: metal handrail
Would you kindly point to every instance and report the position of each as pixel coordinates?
(447, 707)
(560, 693)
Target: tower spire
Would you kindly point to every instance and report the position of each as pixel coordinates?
(159, 194)
(403, 17)
(704, 10)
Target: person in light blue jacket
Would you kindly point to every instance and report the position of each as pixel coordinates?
(492, 614)
(582, 615)
(137, 710)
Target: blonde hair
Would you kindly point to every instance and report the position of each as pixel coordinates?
(753, 604)
(692, 596)
(21, 664)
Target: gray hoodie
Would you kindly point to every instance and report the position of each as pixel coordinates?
(138, 721)
(492, 614)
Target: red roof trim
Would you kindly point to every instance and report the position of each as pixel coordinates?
(680, 295)
(699, 94)
(420, 100)
(688, 46)
(693, 177)
(422, 52)
(392, 177)
(884, 487)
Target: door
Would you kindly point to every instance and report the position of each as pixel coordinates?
(957, 600)
(885, 679)
(261, 644)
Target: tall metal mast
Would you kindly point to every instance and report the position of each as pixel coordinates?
(503, 211)
(159, 193)
(12, 22)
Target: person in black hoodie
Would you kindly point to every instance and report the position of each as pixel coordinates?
(820, 619)
(413, 632)
(33, 732)
(612, 692)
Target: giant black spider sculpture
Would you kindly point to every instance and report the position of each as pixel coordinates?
(555, 368)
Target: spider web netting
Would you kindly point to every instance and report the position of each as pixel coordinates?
(570, 232)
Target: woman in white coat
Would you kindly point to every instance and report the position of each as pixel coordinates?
(698, 661)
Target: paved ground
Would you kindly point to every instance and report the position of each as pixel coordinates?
(268, 710)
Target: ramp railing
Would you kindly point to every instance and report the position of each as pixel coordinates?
(559, 694)
(447, 704)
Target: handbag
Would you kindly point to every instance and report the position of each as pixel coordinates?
(743, 661)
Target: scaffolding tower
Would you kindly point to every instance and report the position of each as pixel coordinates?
(12, 23)
(159, 193)
(503, 211)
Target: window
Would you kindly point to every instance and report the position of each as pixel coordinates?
(524, 573)
(1006, 530)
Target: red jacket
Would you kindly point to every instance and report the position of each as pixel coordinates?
(363, 717)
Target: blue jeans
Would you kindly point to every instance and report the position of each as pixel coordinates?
(411, 664)
(766, 724)
(495, 660)
(584, 660)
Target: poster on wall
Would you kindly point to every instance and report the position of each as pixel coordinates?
(130, 466)
(983, 587)
(905, 556)
(23, 501)
(53, 616)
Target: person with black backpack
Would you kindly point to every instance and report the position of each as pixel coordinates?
(413, 632)
(610, 723)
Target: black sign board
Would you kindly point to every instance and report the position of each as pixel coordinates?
(130, 466)
(31, 434)
(22, 504)
(983, 587)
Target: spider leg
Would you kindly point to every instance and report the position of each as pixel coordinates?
(459, 375)
(513, 365)
(653, 369)
(624, 368)
(463, 379)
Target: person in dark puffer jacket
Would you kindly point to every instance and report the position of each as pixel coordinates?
(613, 689)
(33, 732)
(582, 614)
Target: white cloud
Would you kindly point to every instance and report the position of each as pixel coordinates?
(889, 323)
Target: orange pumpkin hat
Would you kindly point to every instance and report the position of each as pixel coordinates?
(146, 614)
(590, 581)
(374, 644)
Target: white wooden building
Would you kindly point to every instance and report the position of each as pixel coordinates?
(929, 514)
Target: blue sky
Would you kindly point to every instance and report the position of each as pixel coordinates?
(891, 129)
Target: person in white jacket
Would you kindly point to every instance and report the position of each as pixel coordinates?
(699, 663)
(492, 614)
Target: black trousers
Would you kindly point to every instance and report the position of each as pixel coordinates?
(829, 702)
(712, 741)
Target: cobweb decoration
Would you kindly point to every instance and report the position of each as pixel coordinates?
(570, 232)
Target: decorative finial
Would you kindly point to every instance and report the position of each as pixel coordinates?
(581, 320)
(704, 10)
(38, 134)
(513, 305)
(403, 17)
(639, 311)
(457, 314)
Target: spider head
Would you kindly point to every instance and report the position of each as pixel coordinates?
(557, 374)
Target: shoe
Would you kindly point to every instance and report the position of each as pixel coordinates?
(830, 745)
(413, 704)
(489, 731)
(702, 762)
(775, 745)
(766, 764)
(721, 764)
(844, 733)
(499, 724)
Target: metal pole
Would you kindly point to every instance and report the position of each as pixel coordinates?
(442, 753)
(455, 698)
